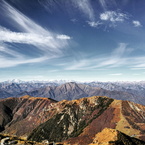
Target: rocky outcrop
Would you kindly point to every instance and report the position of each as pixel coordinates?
(110, 136)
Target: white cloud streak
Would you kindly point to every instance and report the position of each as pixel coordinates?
(27, 38)
(103, 4)
(81, 65)
(136, 23)
(18, 61)
(63, 37)
(50, 44)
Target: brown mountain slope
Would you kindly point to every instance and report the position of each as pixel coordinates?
(74, 122)
(19, 116)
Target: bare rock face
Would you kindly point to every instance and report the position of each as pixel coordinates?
(110, 136)
(70, 122)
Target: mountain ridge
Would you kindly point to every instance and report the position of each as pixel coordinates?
(72, 90)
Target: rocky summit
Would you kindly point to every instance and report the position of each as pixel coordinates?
(81, 122)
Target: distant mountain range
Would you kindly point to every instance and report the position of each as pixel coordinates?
(61, 90)
(86, 121)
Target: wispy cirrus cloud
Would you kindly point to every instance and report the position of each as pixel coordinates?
(21, 21)
(115, 59)
(119, 57)
(15, 58)
(49, 43)
(85, 7)
(5, 50)
(113, 16)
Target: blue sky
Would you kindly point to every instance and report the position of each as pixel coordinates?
(82, 40)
